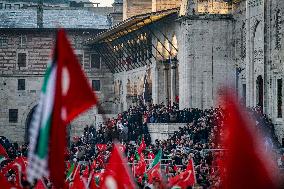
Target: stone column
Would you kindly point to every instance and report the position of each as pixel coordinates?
(124, 94)
(173, 80)
(166, 82)
(155, 84)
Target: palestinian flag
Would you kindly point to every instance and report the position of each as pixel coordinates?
(65, 94)
(71, 171)
(154, 170)
(157, 159)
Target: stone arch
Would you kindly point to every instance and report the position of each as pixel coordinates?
(257, 73)
(28, 123)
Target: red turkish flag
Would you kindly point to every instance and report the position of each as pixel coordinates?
(40, 185)
(73, 96)
(186, 178)
(78, 182)
(142, 146)
(93, 165)
(4, 182)
(117, 173)
(93, 182)
(154, 173)
(101, 147)
(86, 172)
(247, 165)
(140, 169)
(121, 147)
(151, 155)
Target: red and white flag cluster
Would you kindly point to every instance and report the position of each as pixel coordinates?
(66, 94)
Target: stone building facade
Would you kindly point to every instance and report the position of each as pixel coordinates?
(24, 58)
(25, 50)
(187, 57)
(137, 7)
(250, 44)
(219, 43)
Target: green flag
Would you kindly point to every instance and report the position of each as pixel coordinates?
(157, 159)
(70, 171)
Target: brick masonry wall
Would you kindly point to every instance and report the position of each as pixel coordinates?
(38, 48)
(136, 7)
(158, 5)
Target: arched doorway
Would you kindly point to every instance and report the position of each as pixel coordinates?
(259, 92)
(28, 123)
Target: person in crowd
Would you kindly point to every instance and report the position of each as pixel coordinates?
(197, 140)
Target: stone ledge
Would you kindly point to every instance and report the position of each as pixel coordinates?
(163, 131)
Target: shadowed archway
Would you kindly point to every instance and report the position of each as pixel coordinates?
(259, 87)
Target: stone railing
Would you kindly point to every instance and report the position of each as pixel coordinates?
(163, 131)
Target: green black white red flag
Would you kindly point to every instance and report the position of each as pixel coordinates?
(154, 170)
(65, 94)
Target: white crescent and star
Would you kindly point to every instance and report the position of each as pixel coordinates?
(110, 183)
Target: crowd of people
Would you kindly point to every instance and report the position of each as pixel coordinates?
(198, 140)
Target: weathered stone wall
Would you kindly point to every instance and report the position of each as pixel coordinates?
(158, 5)
(38, 44)
(239, 34)
(130, 85)
(259, 52)
(205, 59)
(136, 7)
(255, 50)
(89, 118)
(162, 131)
(274, 63)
